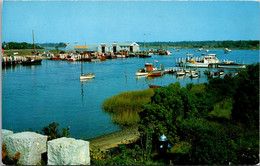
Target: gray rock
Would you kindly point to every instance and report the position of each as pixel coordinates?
(5, 133)
(30, 145)
(68, 151)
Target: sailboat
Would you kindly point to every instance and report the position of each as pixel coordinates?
(32, 60)
(84, 76)
(144, 54)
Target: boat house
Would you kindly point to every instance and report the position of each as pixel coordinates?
(102, 47)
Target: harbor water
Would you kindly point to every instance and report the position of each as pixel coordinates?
(35, 96)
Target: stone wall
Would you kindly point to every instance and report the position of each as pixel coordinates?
(31, 146)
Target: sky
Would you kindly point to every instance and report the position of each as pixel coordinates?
(121, 21)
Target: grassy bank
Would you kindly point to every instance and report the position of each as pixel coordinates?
(124, 108)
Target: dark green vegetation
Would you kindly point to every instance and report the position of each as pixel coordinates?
(15, 45)
(52, 131)
(214, 123)
(125, 107)
(241, 44)
(24, 45)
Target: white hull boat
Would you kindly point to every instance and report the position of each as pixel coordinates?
(204, 63)
(141, 73)
(232, 66)
(87, 76)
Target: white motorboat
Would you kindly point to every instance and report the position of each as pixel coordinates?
(194, 75)
(231, 65)
(180, 73)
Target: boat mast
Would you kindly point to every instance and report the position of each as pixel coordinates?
(33, 43)
(144, 43)
(81, 67)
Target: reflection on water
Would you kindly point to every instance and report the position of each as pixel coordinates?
(35, 96)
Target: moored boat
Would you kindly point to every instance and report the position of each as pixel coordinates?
(180, 73)
(155, 73)
(153, 86)
(141, 72)
(87, 76)
(31, 61)
(194, 75)
(215, 75)
(204, 62)
(231, 65)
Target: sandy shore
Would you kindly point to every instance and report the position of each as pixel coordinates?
(125, 136)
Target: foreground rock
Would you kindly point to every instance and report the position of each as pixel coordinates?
(5, 133)
(30, 145)
(68, 151)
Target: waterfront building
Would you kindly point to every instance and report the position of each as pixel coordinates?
(102, 47)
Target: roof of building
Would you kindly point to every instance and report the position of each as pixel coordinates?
(94, 46)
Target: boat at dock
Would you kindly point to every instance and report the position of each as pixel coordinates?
(155, 73)
(141, 72)
(31, 61)
(194, 75)
(180, 72)
(204, 61)
(231, 65)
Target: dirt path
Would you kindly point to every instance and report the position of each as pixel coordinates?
(125, 136)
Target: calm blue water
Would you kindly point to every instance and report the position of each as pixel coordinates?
(35, 96)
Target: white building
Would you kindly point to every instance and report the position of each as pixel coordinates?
(103, 47)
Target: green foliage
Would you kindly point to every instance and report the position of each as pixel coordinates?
(124, 107)
(246, 97)
(222, 109)
(52, 131)
(181, 147)
(221, 88)
(210, 146)
(172, 104)
(15, 45)
(122, 155)
(200, 121)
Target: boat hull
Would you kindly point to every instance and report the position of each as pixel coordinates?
(83, 77)
(141, 73)
(35, 62)
(154, 74)
(232, 66)
(197, 65)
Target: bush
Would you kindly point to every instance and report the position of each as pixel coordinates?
(52, 131)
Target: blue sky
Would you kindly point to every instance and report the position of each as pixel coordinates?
(103, 21)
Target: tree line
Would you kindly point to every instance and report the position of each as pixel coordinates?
(242, 44)
(22, 45)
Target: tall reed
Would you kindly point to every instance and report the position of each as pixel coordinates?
(125, 106)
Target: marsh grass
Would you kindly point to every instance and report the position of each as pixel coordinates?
(124, 107)
(222, 109)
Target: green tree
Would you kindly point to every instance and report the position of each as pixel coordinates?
(246, 98)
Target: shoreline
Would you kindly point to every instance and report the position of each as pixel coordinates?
(126, 135)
